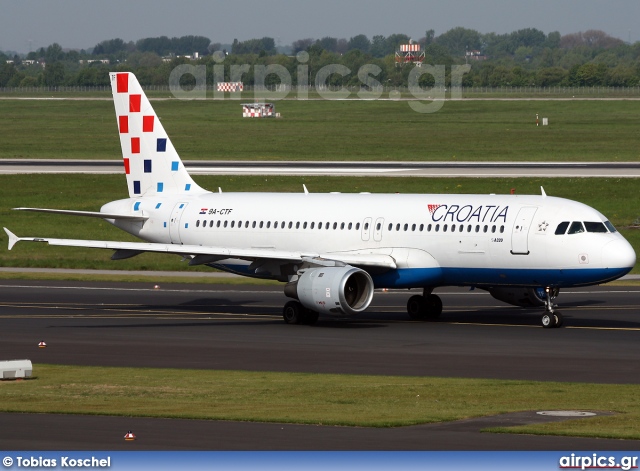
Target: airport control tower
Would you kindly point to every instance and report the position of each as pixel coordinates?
(409, 54)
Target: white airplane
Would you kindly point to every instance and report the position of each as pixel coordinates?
(333, 249)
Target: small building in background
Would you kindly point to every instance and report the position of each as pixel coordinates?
(475, 56)
(259, 110)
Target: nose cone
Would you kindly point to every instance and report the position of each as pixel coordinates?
(618, 254)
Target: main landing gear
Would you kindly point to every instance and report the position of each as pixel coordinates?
(551, 318)
(427, 307)
(295, 313)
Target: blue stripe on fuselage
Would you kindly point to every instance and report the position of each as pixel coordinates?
(419, 277)
(432, 277)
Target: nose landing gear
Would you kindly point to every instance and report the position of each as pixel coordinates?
(551, 318)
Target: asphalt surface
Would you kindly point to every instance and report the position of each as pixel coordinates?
(386, 169)
(240, 327)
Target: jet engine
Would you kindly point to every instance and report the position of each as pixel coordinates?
(522, 297)
(337, 291)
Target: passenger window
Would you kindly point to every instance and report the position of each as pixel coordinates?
(378, 226)
(437, 227)
(429, 228)
(478, 228)
(406, 226)
(444, 228)
(390, 226)
(261, 224)
(366, 226)
(290, 224)
(576, 228)
(350, 225)
(501, 229)
(562, 228)
(218, 224)
(298, 225)
(357, 226)
(304, 226)
(397, 227)
(595, 227)
(413, 227)
(485, 228)
(233, 223)
(211, 223)
(421, 227)
(198, 223)
(313, 224)
(225, 223)
(453, 227)
(253, 226)
(469, 228)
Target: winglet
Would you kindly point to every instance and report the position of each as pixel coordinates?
(12, 238)
(306, 192)
(543, 192)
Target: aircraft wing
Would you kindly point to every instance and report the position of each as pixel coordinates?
(93, 214)
(210, 253)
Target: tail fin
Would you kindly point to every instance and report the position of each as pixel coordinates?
(151, 163)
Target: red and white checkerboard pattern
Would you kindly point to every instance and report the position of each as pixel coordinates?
(230, 86)
(258, 110)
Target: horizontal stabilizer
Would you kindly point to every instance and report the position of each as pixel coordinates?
(90, 214)
(12, 238)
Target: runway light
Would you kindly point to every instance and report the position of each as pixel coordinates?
(129, 436)
(156, 287)
(42, 344)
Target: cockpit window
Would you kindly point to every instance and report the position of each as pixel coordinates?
(562, 228)
(595, 226)
(576, 228)
(610, 226)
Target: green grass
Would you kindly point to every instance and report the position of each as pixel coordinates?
(305, 398)
(618, 199)
(336, 130)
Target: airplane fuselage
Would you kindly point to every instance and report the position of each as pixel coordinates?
(435, 240)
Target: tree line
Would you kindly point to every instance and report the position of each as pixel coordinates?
(526, 57)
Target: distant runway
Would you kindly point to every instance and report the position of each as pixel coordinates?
(239, 327)
(386, 169)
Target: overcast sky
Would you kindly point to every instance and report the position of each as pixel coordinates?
(83, 23)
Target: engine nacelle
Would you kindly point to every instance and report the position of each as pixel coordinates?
(337, 291)
(522, 297)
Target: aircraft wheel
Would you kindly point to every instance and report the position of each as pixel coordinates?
(558, 318)
(416, 307)
(293, 312)
(548, 320)
(433, 307)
